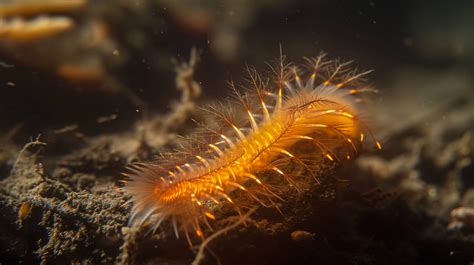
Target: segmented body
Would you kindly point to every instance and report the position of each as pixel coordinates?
(321, 111)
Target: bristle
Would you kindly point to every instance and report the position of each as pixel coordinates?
(315, 105)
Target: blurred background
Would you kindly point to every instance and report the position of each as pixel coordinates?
(78, 60)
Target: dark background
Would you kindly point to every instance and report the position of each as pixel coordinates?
(383, 35)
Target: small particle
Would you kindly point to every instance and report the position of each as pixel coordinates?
(116, 52)
(66, 129)
(432, 193)
(302, 236)
(104, 119)
(89, 72)
(137, 110)
(24, 211)
(464, 215)
(11, 84)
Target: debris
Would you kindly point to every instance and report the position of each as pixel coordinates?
(302, 236)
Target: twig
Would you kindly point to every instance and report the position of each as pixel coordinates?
(28, 145)
(202, 247)
(190, 91)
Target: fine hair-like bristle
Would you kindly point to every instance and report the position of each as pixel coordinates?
(315, 103)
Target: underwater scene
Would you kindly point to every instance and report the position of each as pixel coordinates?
(236, 132)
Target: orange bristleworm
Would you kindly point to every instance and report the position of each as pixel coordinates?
(314, 104)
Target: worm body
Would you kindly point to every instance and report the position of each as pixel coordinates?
(314, 105)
